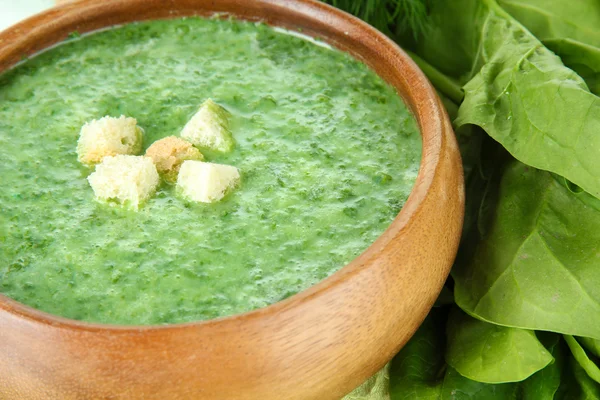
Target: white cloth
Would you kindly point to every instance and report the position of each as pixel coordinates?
(13, 11)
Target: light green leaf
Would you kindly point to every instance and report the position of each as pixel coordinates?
(491, 353)
(581, 58)
(419, 370)
(576, 384)
(591, 345)
(544, 384)
(538, 267)
(457, 387)
(548, 19)
(588, 389)
(571, 29)
(525, 98)
(582, 358)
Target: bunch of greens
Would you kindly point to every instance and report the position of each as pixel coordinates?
(520, 316)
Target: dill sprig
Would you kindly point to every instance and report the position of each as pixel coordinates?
(389, 16)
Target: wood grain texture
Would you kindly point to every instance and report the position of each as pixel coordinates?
(319, 344)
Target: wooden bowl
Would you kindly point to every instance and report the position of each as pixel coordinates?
(319, 344)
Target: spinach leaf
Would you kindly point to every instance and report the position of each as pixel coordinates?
(568, 28)
(581, 58)
(587, 389)
(582, 358)
(516, 89)
(416, 371)
(455, 386)
(591, 345)
(549, 19)
(526, 99)
(491, 353)
(538, 267)
(529, 256)
(545, 383)
(419, 370)
(576, 384)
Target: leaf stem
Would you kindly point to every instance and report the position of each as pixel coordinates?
(448, 86)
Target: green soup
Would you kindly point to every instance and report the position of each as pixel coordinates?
(327, 151)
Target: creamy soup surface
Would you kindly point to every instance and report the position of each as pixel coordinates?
(327, 151)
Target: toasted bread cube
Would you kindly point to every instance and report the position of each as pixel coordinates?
(125, 179)
(209, 128)
(108, 136)
(169, 153)
(206, 182)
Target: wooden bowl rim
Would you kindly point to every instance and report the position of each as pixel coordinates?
(429, 115)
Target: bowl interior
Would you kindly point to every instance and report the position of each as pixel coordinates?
(347, 33)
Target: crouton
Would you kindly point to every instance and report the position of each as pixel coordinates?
(206, 182)
(209, 128)
(169, 153)
(125, 179)
(108, 136)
